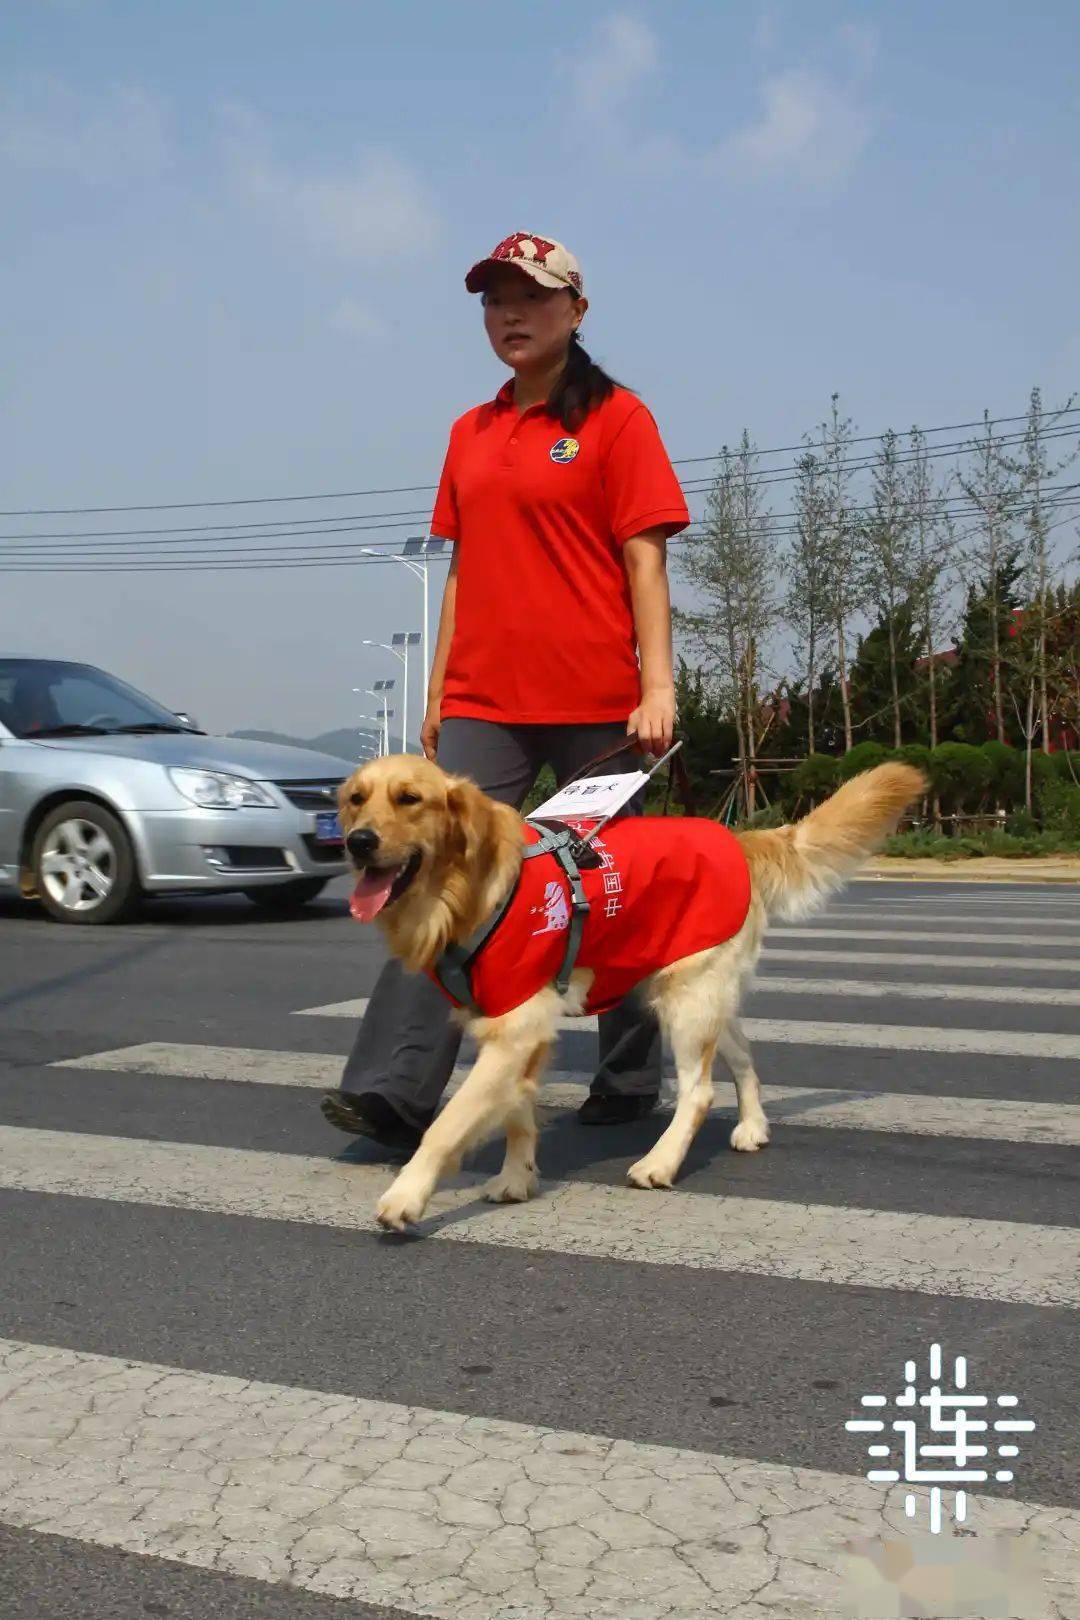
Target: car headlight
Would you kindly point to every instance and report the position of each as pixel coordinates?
(214, 790)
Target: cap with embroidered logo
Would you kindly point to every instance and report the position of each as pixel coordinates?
(547, 261)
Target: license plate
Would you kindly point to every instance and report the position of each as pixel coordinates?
(328, 828)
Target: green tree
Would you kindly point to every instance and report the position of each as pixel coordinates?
(883, 680)
(890, 565)
(987, 621)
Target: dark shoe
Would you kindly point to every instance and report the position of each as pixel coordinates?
(613, 1109)
(373, 1117)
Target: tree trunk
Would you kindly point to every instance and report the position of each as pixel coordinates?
(1029, 740)
(995, 664)
(893, 676)
(811, 676)
(845, 696)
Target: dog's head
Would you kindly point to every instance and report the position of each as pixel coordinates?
(425, 846)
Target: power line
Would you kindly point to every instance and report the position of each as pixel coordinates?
(417, 489)
(779, 523)
(359, 521)
(230, 561)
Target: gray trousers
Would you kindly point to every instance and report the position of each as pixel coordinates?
(406, 1046)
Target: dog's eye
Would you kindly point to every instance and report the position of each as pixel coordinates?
(357, 799)
(405, 797)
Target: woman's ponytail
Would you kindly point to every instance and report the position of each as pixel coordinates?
(582, 386)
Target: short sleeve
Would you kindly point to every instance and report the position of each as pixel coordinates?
(640, 486)
(445, 518)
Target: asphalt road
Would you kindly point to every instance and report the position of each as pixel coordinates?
(223, 1392)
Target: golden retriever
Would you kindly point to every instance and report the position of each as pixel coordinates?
(435, 856)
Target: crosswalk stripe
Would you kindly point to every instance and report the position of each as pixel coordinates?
(1020, 909)
(437, 1512)
(910, 959)
(929, 937)
(974, 1117)
(804, 1032)
(930, 1254)
(885, 989)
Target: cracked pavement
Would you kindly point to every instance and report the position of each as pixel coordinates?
(438, 1513)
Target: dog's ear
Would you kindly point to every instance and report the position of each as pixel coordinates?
(468, 817)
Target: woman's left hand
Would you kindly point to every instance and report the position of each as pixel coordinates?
(654, 720)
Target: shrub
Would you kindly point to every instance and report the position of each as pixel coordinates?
(814, 777)
(1006, 764)
(916, 754)
(1067, 765)
(1059, 803)
(863, 757)
(960, 774)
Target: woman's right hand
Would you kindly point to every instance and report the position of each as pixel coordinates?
(429, 731)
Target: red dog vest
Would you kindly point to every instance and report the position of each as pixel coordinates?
(665, 888)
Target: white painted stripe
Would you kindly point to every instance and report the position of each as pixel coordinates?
(1019, 906)
(1040, 915)
(930, 1254)
(986, 937)
(810, 955)
(436, 1512)
(1025, 995)
(803, 1032)
(984, 1118)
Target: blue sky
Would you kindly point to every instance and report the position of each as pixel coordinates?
(238, 235)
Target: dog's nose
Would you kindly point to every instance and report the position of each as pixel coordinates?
(361, 843)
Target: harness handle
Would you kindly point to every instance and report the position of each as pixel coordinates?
(678, 777)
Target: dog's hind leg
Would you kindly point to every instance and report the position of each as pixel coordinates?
(752, 1131)
(518, 1180)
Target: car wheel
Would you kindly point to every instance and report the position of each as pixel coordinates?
(83, 865)
(284, 896)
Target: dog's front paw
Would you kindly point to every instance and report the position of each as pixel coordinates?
(645, 1174)
(749, 1135)
(512, 1187)
(401, 1205)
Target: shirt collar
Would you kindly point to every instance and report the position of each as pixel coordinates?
(504, 400)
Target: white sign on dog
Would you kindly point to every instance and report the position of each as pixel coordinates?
(594, 798)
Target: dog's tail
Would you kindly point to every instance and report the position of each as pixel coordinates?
(794, 869)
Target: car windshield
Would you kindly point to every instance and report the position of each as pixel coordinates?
(40, 698)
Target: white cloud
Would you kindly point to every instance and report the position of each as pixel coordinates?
(358, 320)
(613, 66)
(811, 128)
(106, 139)
(371, 211)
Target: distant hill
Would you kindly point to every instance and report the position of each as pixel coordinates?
(345, 743)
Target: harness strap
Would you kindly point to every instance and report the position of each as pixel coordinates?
(452, 968)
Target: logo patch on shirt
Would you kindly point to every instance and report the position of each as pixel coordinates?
(564, 450)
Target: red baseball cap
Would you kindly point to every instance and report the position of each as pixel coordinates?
(547, 261)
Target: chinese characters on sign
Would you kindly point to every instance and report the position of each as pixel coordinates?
(938, 1426)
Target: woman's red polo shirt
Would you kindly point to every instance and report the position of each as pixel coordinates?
(543, 627)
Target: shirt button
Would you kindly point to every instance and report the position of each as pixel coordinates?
(513, 439)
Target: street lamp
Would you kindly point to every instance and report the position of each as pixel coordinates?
(399, 645)
(415, 555)
(379, 692)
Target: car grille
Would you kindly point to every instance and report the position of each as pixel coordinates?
(317, 794)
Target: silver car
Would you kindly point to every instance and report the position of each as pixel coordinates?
(105, 797)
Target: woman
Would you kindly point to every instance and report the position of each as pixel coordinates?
(554, 643)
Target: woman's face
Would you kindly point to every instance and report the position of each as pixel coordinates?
(529, 326)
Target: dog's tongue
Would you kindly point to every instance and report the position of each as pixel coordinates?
(371, 894)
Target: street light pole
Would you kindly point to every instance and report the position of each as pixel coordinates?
(425, 546)
(404, 639)
(415, 555)
(401, 640)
